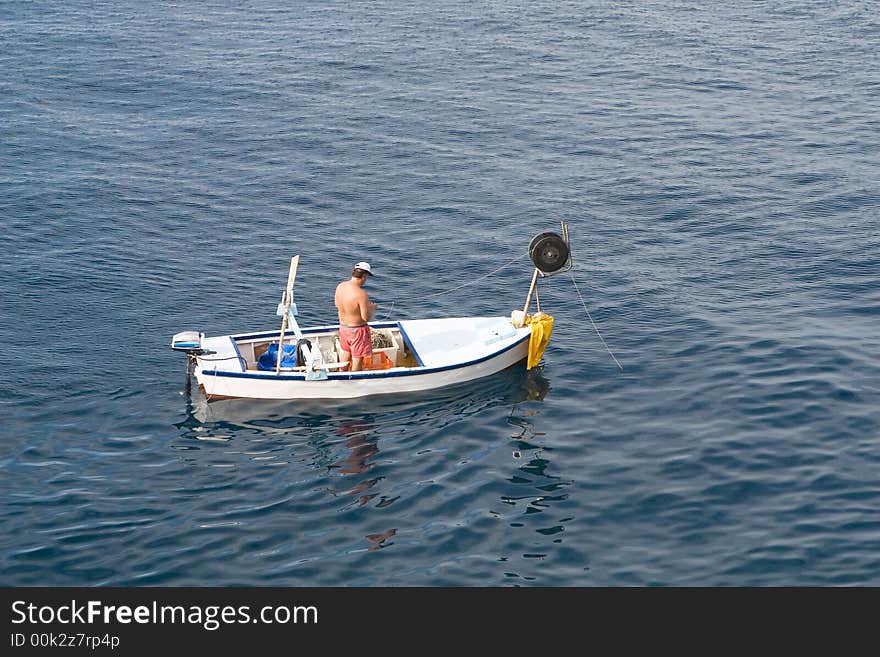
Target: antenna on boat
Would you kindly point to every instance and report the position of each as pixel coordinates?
(284, 308)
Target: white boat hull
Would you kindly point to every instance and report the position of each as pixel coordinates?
(450, 351)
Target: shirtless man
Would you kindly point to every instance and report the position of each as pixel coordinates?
(355, 310)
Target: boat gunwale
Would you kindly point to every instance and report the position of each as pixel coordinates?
(330, 328)
(327, 328)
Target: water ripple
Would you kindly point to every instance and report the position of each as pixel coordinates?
(716, 163)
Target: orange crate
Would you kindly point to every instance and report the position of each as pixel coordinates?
(377, 361)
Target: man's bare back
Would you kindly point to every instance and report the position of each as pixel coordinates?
(355, 308)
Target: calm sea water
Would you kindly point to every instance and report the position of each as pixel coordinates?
(160, 162)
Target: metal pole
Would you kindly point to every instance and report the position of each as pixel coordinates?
(531, 291)
(189, 370)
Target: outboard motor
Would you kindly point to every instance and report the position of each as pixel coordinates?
(188, 341)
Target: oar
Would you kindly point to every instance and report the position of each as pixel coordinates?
(288, 299)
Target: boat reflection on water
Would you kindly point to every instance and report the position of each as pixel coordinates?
(510, 387)
(339, 443)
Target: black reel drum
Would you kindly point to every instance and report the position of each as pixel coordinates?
(549, 252)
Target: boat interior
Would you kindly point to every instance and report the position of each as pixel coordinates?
(390, 349)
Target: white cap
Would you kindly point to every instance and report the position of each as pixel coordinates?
(365, 266)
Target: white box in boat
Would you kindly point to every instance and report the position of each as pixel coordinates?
(391, 352)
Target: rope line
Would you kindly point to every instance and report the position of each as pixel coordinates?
(584, 304)
(476, 280)
(458, 287)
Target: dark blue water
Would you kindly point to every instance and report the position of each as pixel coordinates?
(718, 164)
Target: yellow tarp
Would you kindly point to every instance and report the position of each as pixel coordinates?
(542, 327)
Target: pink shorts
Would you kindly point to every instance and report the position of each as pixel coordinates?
(356, 340)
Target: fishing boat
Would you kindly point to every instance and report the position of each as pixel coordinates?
(409, 355)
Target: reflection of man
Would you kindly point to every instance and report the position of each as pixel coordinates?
(362, 447)
(355, 310)
(361, 450)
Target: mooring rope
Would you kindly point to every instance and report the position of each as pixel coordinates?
(476, 280)
(458, 287)
(584, 304)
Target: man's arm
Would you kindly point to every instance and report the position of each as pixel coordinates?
(366, 306)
